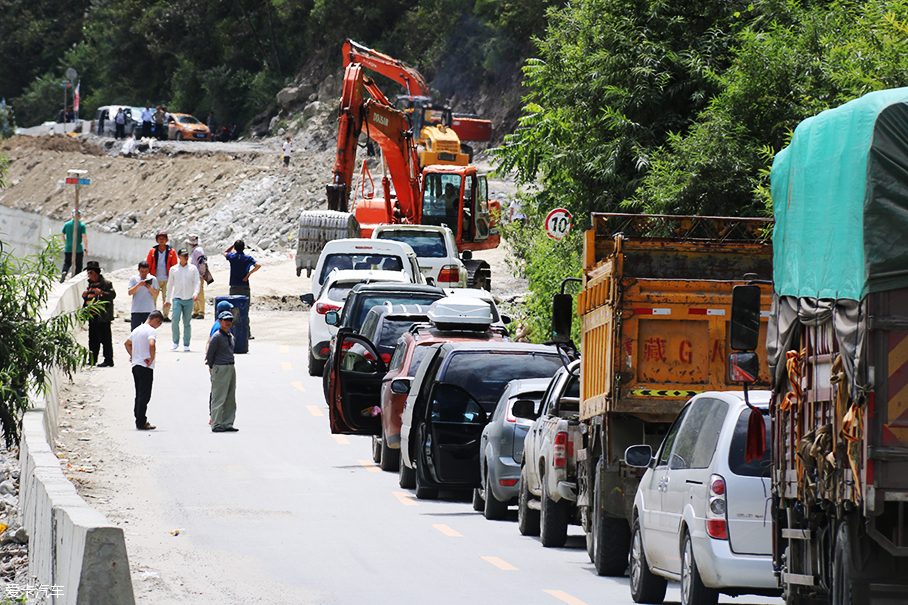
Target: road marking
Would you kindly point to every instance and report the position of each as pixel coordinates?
(405, 498)
(298, 386)
(448, 531)
(315, 410)
(563, 596)
(284, 348)
(341, 439)
(500, 564)
(286, 365)
(369, 466)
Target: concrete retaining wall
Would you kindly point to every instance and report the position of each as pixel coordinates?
(70, 545)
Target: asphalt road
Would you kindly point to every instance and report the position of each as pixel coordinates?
(285, 512)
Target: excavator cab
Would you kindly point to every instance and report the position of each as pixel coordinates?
(437, 143)
(459, 201)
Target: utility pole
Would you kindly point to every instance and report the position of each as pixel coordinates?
(77, 178)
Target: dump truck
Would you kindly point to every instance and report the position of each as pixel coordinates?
(654, 308)
(838, 355)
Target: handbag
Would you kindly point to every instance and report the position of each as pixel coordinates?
(206, 274)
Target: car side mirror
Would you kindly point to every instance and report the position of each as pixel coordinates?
(743, 367)
(331, 318)
(638, 456)
(524, 408)
(562, 316)
(308, 299)
(467, 255)
(430, 281)
(745, 318)
(401, 386)
(506, 319)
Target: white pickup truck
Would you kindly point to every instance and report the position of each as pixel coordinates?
(547, 492)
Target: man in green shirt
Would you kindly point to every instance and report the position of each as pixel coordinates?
(81, 244)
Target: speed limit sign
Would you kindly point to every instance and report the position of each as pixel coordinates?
(558, 223)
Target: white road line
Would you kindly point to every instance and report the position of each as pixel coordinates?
(500, 564)
(448, 531)
(565, 597)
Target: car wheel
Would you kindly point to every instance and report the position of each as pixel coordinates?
(841, 569)
(179, 136)
(390, 458)
(527, 518)
(406, 478)
(316, 366)
(376, 449)
(693, 592)
(646, 587)
(479, 503)
(423, 492)
(494, 510)
(553, 519)
(611, 535)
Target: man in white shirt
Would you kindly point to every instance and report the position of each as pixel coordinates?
(146, 121)
(287, 149)
(182, 290)
(141, 348)
(143, 288)
(120, 121)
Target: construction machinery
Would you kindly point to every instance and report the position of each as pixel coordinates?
(445, 192)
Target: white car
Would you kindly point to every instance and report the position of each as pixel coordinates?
(331, 297)
(365, 254)
(436, 249)
(702, 513)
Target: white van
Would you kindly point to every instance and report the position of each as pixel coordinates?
(110, 113)
(357, 253)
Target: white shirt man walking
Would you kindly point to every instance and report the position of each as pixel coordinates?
(141, 348)
(183, 288)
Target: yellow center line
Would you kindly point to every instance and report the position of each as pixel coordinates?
(341, 439)
(298, 386)
(405, 498)
(563, 596)
(500, 564)
(369, 466)
(448, 531)
(284, 348)
(286, 365)
(315, 410)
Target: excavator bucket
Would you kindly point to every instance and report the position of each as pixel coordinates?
(318, 227)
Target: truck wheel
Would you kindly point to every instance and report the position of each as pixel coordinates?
(527, 518)
(611, 535)
(553, 519)
(841, 568)
(422, 491)
(494, 509)
(390, 458)
(693, 592)
(376, 449)
(406, 478)
(646, 587)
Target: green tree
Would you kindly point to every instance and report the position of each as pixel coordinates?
(31, 347)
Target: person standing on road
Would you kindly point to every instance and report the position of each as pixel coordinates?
(120, 121)
(287, 149)
(184, 288)
(198, 260)
(146, 121)
(141, 346)
(102, 291)
(212, 125)
(143, 288)
(241, 267)
(219, 358)
(81, 243)
(159, 119)
(161, 258)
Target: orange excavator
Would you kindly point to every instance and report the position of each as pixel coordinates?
(446, 192)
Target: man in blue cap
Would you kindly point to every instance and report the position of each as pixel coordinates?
(219, 358)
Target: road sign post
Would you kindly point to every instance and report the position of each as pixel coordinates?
(558, 223)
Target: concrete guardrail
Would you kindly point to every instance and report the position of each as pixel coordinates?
(71, 546)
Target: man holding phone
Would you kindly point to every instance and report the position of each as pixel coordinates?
(143, 288)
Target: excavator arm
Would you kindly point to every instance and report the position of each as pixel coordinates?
(387, 66)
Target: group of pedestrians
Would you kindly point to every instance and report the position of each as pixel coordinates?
(179, 277)
(159, 117)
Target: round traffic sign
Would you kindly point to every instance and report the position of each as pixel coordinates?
(558, 223)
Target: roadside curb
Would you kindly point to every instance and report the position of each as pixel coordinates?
(71, 546)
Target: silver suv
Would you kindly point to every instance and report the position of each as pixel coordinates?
(702, 512)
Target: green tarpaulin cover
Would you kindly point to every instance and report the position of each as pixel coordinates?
(840, 198)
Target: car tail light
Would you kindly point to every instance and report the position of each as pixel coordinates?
(347, 344)
(324, 351)
(508, 482)
(449, 273)
(561, 447)
(716, 523)
(368, 356)
(322, 308)
(386, 357)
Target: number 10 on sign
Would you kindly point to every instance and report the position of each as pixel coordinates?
(558, 223)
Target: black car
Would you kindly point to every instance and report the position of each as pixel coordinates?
(451, 399)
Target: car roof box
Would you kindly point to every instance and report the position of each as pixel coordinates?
(461, 314)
